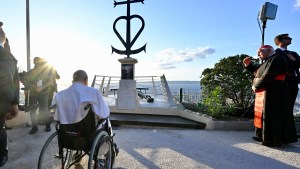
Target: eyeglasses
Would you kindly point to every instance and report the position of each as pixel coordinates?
(287, 38)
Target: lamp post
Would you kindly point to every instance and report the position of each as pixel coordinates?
(263, 32)
(268, 11)
(28, 35)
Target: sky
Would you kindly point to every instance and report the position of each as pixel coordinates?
(182, 37)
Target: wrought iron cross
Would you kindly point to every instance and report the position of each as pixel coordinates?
(128, 43)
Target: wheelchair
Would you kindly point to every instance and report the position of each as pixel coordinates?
(71, 143)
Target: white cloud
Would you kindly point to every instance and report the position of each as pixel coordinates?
(297, 4)
(168, 57)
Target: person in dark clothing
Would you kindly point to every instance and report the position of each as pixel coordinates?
(271, 98)
(38, 81)
(9, 93)
(293, 59)
(7, 47)
(6, 44)
(253, 69)
(293, 79)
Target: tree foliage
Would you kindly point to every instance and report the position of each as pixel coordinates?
(231, 82)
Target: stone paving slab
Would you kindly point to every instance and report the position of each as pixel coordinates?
(167, 148)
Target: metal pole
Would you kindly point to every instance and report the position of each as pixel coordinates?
(263, 33)
(180, 95)
(28, 35)
(128, 29)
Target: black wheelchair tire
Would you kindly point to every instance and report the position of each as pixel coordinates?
(99, 140)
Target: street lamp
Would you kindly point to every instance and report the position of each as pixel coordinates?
(28, 34)
(268, 11)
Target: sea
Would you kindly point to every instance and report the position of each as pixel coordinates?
(187, 86)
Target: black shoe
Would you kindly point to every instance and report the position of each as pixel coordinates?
(33, 130)
(3, 160)
(257, 139)
(271, 144)
(48, 128)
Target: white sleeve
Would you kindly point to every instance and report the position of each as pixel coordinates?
(100, 107)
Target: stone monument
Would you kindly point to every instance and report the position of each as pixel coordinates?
(127, 94)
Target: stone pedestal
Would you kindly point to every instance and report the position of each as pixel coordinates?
(127, 93)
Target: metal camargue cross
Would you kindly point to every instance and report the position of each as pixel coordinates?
(128, 43)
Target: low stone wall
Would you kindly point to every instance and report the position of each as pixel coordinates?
(213, 124)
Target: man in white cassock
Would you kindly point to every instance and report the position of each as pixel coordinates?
(71, 102)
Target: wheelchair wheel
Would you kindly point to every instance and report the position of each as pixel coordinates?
(49, 157)
(101, 152)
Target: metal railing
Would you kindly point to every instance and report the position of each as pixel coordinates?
(151, 85)
(109, 84)
(187, 95)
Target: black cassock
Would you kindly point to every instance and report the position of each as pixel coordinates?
(272, 100)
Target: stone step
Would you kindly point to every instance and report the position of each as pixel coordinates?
(119, 119)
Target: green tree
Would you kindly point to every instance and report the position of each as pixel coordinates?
(231, 82)
(213, 103)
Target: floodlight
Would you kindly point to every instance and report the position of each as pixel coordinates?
(268, 11)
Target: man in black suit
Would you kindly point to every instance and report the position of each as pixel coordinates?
(293, 77)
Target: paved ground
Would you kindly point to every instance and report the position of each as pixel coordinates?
(167, 148)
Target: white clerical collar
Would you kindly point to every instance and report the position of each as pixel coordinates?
(283, 49)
